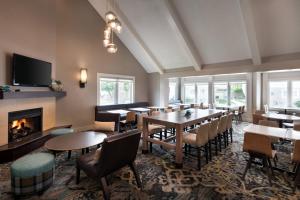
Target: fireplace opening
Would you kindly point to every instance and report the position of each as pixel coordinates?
(24, 123)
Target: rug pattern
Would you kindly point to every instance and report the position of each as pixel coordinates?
(220, 179)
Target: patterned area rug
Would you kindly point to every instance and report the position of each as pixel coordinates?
(220, 179)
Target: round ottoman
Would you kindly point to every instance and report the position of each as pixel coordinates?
(32, 173)
(61, 131)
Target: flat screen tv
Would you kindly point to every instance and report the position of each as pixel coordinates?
(28, 71)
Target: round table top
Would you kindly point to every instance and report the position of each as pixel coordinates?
(75, 141)
(281, 117)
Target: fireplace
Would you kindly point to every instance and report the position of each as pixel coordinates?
(24, 123)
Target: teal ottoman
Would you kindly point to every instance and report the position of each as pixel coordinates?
(61, 131)
(32, 174)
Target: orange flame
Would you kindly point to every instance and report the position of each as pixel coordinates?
(17, 123)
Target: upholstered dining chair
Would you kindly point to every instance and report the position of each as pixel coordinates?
(130, 120)
(259, 146)
(229, 129)
(112, 157)
(152, 128)
(213, 136)
(295, 156)
(221, 131)
(181, 107)
(198, 138)
(257, 117)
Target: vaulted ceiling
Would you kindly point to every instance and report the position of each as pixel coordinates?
(173, 34)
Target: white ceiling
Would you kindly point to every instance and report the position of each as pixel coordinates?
(170, 34)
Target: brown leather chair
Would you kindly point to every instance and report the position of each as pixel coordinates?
(112, 158)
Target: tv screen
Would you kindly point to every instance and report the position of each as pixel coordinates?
(30, 72)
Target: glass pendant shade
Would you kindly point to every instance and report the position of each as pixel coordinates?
(112, 24)
(105, 42)
(107, 33)
(110, 16)
(112, 48)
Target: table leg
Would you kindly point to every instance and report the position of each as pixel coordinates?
(179, 154)
(145, 136)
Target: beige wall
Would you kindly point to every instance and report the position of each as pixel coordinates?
(67, 33)
(79, 44)
(28, 28)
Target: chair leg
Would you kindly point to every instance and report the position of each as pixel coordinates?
(151, 136)
(69, 154)
(270, 166)
(230, 131)
(265, 162)
(185, 149)
(216, 146)
(220, 142)
(105, 188)
(209, 148)
(77, 175)
(206, 153)
(136, 174)
(199, 157)
(247, 167)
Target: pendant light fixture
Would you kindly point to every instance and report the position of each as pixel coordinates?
(112, 24)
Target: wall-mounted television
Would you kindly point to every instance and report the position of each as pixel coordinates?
(32, 72)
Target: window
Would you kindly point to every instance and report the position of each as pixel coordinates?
(189, 93)
(172, 91)
(238, 93)
(115, 90)
(296, 94)
(221, 94)
(278, 91)
(202, 93)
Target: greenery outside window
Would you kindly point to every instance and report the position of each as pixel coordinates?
(115, 90)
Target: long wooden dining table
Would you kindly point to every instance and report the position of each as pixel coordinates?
(288, 134)
(179, 121)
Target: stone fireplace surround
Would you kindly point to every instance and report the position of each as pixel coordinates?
(10, 105)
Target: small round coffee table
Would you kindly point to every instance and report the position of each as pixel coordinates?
(75, 141)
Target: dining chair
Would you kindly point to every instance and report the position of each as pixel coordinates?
(130, 120)
(201, 106)
(198, 138)
(213, 136)
(295, 157)
(296, 126)
(110, 158)
(259, 112)
(229, 128)
(238, 114)
(221, 131)
(257, 117)
(168, 110)
(152, 128)
(259, 147)
(181, 107)
(269, 123)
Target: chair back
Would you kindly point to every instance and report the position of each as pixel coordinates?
(255, 143)
(118, 151)
(243, 109)
(268, 123)
(168, 110)
(259, 112)
(140, 121)
(229, 121)
(222, 124)
(156, 112)
(202, 133)
(109, 117)
(213, 129)
(201, 106)
(181, 107)
(256, 118)
(297, 125)
(296, 151)
(130, 117)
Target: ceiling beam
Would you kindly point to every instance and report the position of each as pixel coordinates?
(247, 14)
(127, 26)
(181, 33)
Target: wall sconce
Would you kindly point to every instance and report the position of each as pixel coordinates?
(83, 77)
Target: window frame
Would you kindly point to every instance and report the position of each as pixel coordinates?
(117, 77)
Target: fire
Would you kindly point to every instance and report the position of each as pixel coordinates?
(17, 123)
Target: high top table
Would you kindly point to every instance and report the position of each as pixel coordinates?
(179, 121)
(280, 117)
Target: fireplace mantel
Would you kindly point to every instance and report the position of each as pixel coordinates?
(31, 94)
